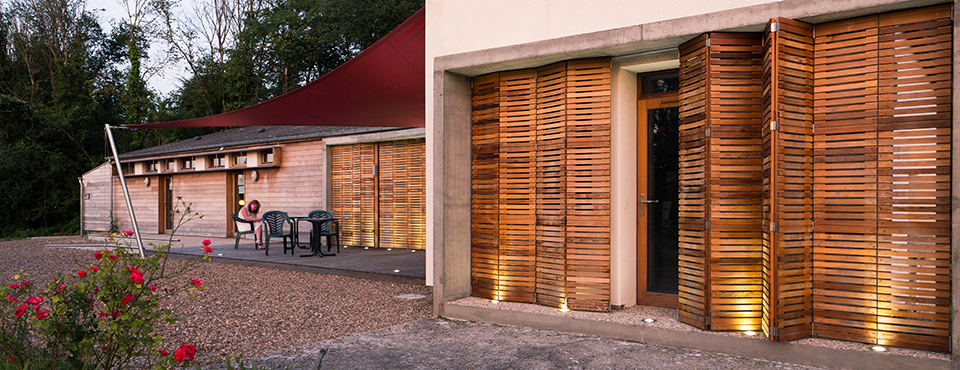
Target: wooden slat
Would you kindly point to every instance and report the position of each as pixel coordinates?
(551, 180)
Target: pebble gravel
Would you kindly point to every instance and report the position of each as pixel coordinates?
(245, 310)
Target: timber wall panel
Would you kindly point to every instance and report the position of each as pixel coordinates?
(354, 198)
(790, 241)
(845, 176)
(693, 272)
(98, 183)
(734, 173)
(401, 194)
(913, 251)
(485, 184)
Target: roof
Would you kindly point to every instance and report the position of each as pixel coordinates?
(250, 136)
(382, 86)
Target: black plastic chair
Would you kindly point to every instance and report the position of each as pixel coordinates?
(329, 229)
(236, 223)
(275, 222)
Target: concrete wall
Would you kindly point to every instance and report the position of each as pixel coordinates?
(461, 44)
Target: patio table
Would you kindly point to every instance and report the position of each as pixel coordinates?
(315, 236)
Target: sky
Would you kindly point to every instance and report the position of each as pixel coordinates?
(112, 13)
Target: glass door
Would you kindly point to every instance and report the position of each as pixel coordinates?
(658, 157)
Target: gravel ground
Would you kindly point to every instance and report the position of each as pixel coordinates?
(246, 310)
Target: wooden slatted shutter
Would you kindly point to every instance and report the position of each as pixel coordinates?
(734, 173)
(541, 185)
(551, 185)
(788, 225)
(485, 187)
(354, 189)
(588, 184)
(845, 179)
(402, 202)
(693, 272)
(518, 185)
(914, 166)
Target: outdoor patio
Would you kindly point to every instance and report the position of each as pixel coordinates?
(395, 265)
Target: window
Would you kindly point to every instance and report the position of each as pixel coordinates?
(218, 160)
(171, 165)
(267, 156)
(152, 166)
(186, 164)
(128, 168)
(240, 159)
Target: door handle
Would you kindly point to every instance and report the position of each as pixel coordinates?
(644, 202)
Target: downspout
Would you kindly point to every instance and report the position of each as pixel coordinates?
(126, 192)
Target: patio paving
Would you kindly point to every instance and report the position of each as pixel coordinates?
(394, 265)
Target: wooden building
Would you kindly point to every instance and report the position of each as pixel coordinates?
(295, 169)
(786, 167)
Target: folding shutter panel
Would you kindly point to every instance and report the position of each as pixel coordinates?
(365, 180)
(588, 184)
(913, 252)
(485, 187)
(518, 185)
(400, 189)
(734, 181)
(551, 184)
(416, 173)
(788, 132)
(693, 271)
(845, 179)
(354, 192)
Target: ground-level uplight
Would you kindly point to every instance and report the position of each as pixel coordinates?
(879, 348)
(648, 320)
(750, 333)
(396, 270)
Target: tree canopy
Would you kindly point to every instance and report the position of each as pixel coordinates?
(62, 77)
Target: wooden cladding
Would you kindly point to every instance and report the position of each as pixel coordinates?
(379, 194)
(819, 205)
(540, 220)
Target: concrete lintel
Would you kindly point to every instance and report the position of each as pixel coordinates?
(753, 348)
(659, 35)
(376, 136)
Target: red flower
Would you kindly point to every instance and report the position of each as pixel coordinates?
(164, 352)
(189, 350)
(113, 257)
(33, 300)
(61, 287)
(13, 286)
(153, 287)
(12, 298)
(42, 314)
(207, 250)
(82, 273)
(96, 256)
(206, 242)
(195, 282)
(135, 275)
(179, 355)
(127, 233)
(126, 299)
(102, 314)
(25, 283)
(20, 310)
(94, 268)
(11, 359)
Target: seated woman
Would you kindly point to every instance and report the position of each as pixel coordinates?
(250, 212)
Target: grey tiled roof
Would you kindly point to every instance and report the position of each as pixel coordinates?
(251, 136)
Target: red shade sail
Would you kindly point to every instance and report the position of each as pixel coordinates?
(383, 86)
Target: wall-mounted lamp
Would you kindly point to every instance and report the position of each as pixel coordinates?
(254, 175)
(146, 181)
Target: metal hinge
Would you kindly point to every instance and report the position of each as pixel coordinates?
(774, 125)
(706, 322)
(774, 226)
(775, 331)
(706, 224)
(706, 132)
(708, 42)
(774, 27)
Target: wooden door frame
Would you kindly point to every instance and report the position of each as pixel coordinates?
(162, 227)
(662, 100)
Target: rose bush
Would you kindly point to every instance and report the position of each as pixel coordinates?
(102, 316)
